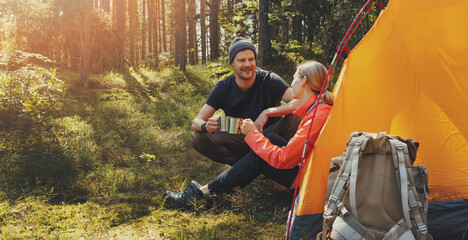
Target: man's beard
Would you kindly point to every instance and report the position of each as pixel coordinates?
(243, 74)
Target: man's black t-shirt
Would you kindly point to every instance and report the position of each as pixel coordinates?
(266, 92)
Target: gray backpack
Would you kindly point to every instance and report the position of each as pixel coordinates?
(375, 192)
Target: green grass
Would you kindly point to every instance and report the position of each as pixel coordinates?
(240, 218)
(127, 140)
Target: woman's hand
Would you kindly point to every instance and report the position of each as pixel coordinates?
(247, 126)
(261, 120)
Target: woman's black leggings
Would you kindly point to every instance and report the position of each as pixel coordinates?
(249, 167)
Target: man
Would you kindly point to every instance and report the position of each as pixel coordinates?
(249, 93)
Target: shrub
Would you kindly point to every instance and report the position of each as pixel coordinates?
(29, 151)
(76, 137)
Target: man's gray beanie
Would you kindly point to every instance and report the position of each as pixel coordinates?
(239, 44)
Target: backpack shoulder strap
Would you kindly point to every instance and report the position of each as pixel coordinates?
(399, 161)
(411, 206)
(356, 154)
(399, 231)
(346, 176)
(349, 226)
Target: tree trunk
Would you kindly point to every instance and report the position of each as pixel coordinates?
(214, 30)
(143, 31)
(158, 20)
(310, 32)
(274, 30)
(120, 22)
(105, 6)
(136, 16)
(203, 30)
(155, 32)
(85, 65)
(195, 39)
(180, 30)
(255, 29)
(163, 22)
(158, 23)
(191, 31)
(297, 28)
(114, 14)
(297, 25)
(230, 6)
(74, 55)
(285, 30)
(172, 33)
(150, 25)
(55, 51)
(131, 31)
(264, 41)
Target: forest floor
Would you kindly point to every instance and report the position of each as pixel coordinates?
(129, 135)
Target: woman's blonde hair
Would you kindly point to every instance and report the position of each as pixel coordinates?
(316, 74)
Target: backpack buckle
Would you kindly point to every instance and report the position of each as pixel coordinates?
(415, 205)
(399, 145)
(358, 141)
(342, 208)
(329, 209)
(327, 213)
(422, 228)
(333, 199)
(344, 176)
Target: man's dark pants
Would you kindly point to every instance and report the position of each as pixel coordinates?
(229, 148)
(249, 167)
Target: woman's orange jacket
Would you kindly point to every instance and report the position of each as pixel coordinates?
(290, 155)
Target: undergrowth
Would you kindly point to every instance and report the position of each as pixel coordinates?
(101, 157)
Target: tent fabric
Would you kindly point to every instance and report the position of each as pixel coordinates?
(304, 226)
(409, 77)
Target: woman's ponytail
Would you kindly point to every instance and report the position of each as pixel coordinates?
(328, 97)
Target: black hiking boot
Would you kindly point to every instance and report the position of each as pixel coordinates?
(185, 199)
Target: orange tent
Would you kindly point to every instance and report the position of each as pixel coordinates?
(409, 77)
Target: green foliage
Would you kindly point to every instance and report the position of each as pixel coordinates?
(29, 95)
(4, 208)
(241, 23)
(108, 154)
(158, 62)
(31, 22)
(76, 137)
(29, 101)
(18, 59)
(52, 29)
(328, 21)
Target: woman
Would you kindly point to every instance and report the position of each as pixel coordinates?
(271, 155)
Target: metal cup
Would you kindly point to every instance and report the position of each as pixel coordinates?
(223, 124)
(234, 125)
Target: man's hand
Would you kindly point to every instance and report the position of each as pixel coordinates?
(212, 125)
(261, 120)
(205, 113)
(247, 126)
